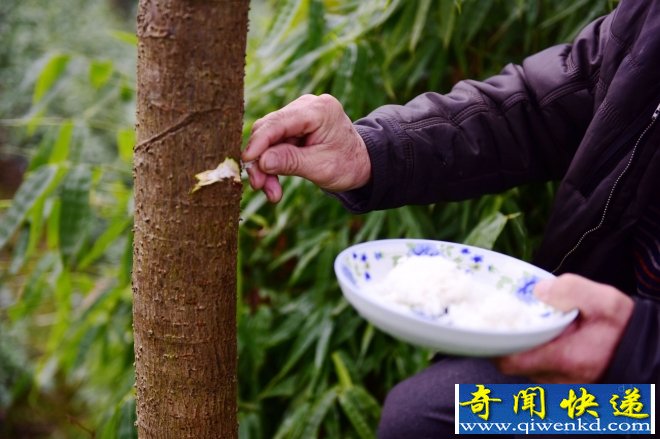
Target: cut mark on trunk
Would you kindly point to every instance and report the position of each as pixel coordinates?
(177, 126)
(227, 169)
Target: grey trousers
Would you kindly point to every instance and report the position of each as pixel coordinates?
(422, 406)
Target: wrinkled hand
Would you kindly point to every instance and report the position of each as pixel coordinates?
(312, 138)
(583, 351)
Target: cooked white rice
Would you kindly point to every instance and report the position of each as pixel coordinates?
(436, 288)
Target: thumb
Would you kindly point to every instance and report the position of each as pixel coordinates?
(312, 162)
(569, 291)
(563, 293)
(283, 159)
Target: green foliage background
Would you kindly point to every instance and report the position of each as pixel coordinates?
(308, 365)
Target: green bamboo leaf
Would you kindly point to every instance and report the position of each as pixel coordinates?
(126, 425)
(37, 184)
(367, 337)
(60, 277)
(253, 205)
(84, 342)
(125, 37)
(378, 12)
(364, 401)
(505, 26)
(288, 14)
(250, 425)
(53, 225)
(419, 23)
(283, 389)
(121, 421)
(372, 227)
(324, 261)
(50, 73)
(34, 120)
(321, 354)
(320, 357)
(521, 235)
(28, 237)
(294, 422)
(364, 77)
(316, 24)
(114, 231)
(563, 13)
(103, 303)
(108, 428)
(126, 91)
(301, 251)
(100, 72)
(341, 370)
(343, 82)
(470, 26)
(287, 330)
(304, 261)
(62, 145)
(487, 231)
(125, 144)
(352, 411)
(438, 69)
(126, 262)
(36, 287)
(42, 154)
(20, 250)
(424, 58)
(318, 413)
(296, 67)
(308, 334)
(333, 424)
(36, 217)
(447, 20)
(75, 211)
(407, 223)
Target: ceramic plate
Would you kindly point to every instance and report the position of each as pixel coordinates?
(360, 267)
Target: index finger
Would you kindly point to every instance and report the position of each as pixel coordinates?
(297, 119)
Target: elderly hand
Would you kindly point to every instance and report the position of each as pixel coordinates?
(583, 351)
(312, 138)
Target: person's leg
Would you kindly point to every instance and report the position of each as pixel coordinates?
(422, 406)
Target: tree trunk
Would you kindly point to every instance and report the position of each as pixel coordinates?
(191, 59)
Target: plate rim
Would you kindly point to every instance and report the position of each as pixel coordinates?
(563, 320)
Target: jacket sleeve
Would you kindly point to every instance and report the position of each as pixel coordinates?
(519, 126)
(637, 358)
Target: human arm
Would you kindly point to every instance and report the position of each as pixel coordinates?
(521, 125)
(613, 339)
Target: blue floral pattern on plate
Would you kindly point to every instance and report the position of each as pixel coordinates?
(479, 263)
(363, 265)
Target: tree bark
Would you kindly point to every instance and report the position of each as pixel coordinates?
(191, 59)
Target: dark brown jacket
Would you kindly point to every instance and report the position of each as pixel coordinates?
(580, 113)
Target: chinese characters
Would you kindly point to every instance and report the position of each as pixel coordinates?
(574, 403)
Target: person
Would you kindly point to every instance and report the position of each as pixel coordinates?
(584, 113)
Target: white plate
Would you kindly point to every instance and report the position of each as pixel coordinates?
(362, 265)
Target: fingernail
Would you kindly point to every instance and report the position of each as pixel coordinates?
(269, 162)
(542, 289)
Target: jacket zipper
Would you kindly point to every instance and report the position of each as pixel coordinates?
(654, 117)
(604, 163)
